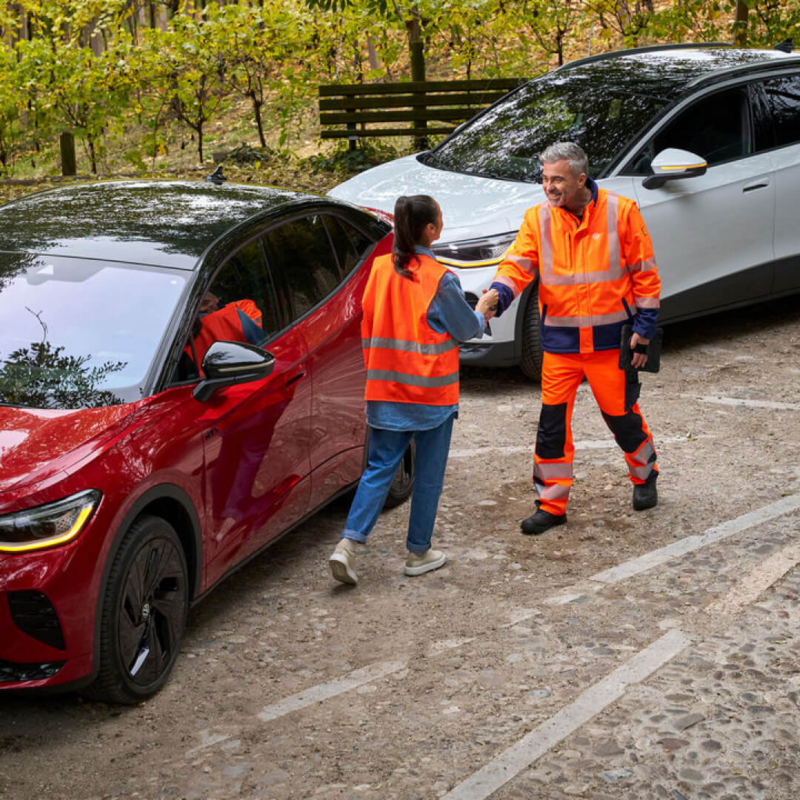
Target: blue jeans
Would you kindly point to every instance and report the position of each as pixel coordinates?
(386, 448)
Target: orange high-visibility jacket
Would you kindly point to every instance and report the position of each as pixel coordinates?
(225, 325)
(594, 275)
(407, 361)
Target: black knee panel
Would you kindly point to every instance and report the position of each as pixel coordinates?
(551, 436)
(632, 388)
(627, 430)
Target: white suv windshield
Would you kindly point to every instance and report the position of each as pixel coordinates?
(600, 107)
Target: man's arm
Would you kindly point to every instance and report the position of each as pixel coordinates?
(520, 265)
(638, 253)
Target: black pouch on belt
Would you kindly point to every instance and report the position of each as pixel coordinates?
(653, 350)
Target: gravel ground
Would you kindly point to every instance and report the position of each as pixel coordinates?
(292, 686)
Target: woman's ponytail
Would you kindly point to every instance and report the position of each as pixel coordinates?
(411, 215)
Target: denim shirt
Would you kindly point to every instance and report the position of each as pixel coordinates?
(450, 313)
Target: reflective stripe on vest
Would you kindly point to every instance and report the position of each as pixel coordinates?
(411, 380)
(410, 347)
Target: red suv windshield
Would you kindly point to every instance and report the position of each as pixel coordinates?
(79, 333)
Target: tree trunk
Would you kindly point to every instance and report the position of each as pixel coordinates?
(67, 147)
(417, 51)
(257, 112)
(92, 154)
(372, 53)
(199, 130)
(740, 25)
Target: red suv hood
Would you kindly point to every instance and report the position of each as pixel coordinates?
(36, 443)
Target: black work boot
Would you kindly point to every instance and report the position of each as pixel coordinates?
(645, 496)
(541, 521)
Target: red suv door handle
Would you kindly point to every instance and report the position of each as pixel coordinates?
(295, 378)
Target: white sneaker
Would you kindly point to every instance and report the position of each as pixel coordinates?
(420, 563)
(343, 561)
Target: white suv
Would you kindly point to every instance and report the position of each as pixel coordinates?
(724, 235)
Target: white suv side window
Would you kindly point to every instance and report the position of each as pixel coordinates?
(716, 127)
(783, 99)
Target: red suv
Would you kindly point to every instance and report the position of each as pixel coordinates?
(181, 382)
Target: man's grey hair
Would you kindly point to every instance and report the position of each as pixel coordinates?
(567, 151)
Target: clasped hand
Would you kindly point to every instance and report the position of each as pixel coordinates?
(487, 305)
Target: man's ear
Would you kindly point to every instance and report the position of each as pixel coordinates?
(582, 180)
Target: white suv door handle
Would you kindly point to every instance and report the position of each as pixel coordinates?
(751, 187)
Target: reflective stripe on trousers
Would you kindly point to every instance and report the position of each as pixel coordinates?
(639, 463)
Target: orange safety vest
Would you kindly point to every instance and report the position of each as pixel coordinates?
(407, 361)
(224, 325)
(594, 275)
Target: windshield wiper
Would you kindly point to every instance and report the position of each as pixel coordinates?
(498, 177)
(430, 159)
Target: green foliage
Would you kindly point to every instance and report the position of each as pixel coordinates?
(98, 67)
(196, 63)
(41, 376)
(68, 87)
(10, 104)
(770, 21)
(344, 161)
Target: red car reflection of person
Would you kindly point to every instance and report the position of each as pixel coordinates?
(238, 321)
(248, 420)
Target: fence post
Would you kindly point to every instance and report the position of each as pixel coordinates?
(68, 162)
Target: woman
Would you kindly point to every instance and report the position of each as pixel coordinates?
(415, 315)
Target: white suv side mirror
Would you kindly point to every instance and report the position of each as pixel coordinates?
(671, 164)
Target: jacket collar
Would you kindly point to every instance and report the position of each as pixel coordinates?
(591, 184)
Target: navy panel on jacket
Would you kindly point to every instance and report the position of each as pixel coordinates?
(606, 337)
(560, 340)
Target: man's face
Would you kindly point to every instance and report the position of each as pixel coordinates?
(209, 303)
(562, 187)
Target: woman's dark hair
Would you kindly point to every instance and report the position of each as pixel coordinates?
(411, 215)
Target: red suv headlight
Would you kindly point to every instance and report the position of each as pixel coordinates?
(48, 525)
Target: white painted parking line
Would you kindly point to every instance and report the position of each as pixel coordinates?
(691, 543)
(325, 691)
(736, 401)
(757, 581)
(535, 744)
(208, 740)
(614, 575)
(589, 444)
(563, 599)
(437, 648)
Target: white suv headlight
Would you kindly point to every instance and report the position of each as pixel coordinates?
(484, 252)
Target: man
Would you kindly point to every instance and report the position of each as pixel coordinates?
(594, 260)
(239, 321)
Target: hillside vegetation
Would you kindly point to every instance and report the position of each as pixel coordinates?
(151, 87)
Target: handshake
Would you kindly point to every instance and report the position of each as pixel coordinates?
(487, 305)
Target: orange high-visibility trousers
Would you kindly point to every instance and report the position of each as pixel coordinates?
(616, 392)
